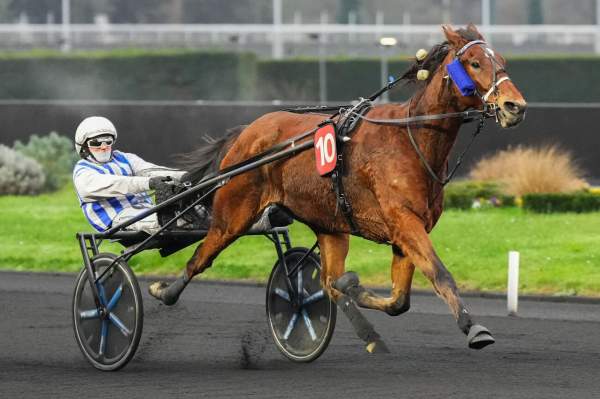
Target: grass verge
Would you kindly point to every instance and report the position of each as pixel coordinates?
(559, 252)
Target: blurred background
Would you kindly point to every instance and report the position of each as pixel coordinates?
(168, 72)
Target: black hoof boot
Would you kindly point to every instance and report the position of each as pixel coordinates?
(479, 337)
(346, 281)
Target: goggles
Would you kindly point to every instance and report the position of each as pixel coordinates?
(97, 142)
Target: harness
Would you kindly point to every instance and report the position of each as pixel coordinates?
(346, 124)
(350, 116)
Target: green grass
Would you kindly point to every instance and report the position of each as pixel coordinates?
(559, 252)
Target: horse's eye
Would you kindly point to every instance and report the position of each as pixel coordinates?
(475, 64)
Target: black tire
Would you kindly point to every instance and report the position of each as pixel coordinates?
(299, 344)
(120, 345)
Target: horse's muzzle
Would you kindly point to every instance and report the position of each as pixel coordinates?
(511, 113)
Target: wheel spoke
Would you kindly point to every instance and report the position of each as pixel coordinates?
(300, 285)
(115, 298)
(117, 322)
(309, 326)
(103, 335)
(89, 314)
(282, 294)
(317, 296)
(290, 326)
(101, 294)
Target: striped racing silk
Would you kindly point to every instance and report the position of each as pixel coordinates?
(102, 191)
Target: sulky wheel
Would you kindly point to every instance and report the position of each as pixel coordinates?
(110, 338)
(301, 326)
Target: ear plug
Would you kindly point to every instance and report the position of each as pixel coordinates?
(422, 74)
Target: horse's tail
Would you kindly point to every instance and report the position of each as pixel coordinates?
(206, 159)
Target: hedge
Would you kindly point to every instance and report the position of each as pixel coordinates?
(349, 79)
(550, 203)
(213, 75)
(464, 194)
(127, 75)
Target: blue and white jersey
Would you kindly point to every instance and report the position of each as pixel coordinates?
(107, 189)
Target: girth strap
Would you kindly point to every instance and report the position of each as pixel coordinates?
(346, 124)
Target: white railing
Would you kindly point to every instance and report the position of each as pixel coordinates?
(292, 39)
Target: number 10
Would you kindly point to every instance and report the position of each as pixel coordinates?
(325, 147)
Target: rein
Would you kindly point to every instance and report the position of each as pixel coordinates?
(466, 115)
(349, 115)
(489, 110)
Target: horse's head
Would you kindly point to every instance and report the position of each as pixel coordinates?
(490, 83)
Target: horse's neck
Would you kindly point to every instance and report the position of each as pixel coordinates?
(436, 138)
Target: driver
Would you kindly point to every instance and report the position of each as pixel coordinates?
(112, 186)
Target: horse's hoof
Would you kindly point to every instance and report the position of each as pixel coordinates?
(479, 337)
(377, 346)
(158, 291)
(346, 281)
(155, 289)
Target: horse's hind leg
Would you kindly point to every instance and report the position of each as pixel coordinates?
(398, 302)
(334, 249)
(234, 211)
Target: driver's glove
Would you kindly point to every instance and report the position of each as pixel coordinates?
(159, 182)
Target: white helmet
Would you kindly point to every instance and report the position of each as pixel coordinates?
(91, 127)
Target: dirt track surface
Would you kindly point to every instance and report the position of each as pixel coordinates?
(194, 349)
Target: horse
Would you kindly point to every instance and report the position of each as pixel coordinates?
(395, 186)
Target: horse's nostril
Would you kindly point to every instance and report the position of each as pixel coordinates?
(513, 108)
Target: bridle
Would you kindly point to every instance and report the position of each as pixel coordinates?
(488, 109)
(497, 68)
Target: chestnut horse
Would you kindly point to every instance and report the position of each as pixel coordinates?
(395, 200)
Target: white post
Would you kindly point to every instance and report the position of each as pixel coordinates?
(297, 22)
(379, 21)
(446, 17)
(322, 62)
(352, 20)
(485, 19)
(597, 41)
(277, 50)
(384, 73)
(512, 293)
(406, 22)
(66, 26)
(49, 23)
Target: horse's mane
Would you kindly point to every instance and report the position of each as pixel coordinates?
(206, 159)
(432, 62)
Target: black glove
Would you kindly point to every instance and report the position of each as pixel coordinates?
(159, 182)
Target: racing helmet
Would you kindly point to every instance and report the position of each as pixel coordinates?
(93, 126)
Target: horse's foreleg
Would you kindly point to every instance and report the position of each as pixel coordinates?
(416, 245)
(398, 302)
(334, 249)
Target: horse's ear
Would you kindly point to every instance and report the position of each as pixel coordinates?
(453, 37)
(472, 28)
